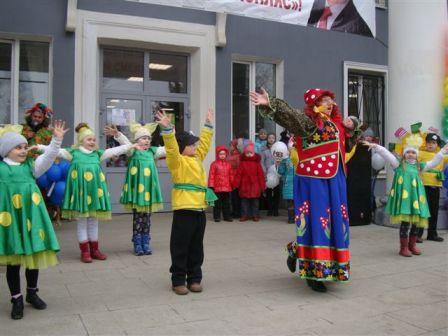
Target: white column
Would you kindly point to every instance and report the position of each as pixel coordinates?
(416, 63)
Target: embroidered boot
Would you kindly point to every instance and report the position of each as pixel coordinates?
(85, 254)
(95, 253)
(17, 308)
(291, 263)
(33, 299)
(137, 240)
(413, 245)
(146, 239)
(404, 248)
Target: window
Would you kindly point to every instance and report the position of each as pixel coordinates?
(366, 101)
(249, 76)
(29, 73)
(137, 83)
(381, 3)
(5, 82)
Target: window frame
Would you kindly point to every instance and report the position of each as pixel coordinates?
(279, 79)
(15, 71)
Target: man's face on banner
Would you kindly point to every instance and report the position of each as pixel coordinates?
(37, 118)
(336, 2)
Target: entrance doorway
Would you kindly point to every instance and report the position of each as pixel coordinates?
(134, 85)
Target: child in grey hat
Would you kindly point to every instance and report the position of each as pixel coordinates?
(27, 237)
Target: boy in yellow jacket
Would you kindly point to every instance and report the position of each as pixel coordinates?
(432, 180)
(190, 198)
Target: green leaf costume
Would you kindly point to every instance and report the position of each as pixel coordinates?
(27, 237)
(86, 193)
(407, 198)
(141, 190)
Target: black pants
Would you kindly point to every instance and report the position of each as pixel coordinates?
(186, 246)
(222, 204)
(433, 197)
(273, 199)
(13, 278)
(236, 204)
(141, 222)
(250, 207)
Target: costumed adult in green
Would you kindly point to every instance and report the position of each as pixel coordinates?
(27, 237)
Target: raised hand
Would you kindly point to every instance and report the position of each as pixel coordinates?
(59, 129)
(259, 98)
(137, 147)
(111, 131)
(33, 148)
(210, 115)
(445, 149)
(162, 119)
(371, 145)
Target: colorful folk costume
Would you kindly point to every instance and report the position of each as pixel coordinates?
(86, 197)
(141, 190)
(27, 237)
(407, 204)
(321, 249)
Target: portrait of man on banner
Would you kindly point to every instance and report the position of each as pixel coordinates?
(338, 15)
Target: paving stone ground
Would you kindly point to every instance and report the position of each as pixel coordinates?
(247, 287)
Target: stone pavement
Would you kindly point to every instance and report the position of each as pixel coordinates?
(247, 287)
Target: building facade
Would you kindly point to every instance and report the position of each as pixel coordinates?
(113, 61)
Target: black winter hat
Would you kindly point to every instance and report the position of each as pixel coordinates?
(434, 137)
(185, 139)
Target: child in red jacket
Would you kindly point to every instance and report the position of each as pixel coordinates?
(249, 179)
(220, 178)
(234, 160)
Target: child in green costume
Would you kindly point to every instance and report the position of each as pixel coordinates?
(407, 204)
(27, 237)
(141, 190)
(87, 198)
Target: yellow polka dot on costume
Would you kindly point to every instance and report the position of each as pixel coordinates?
(36, 198)
(42, 234)
(88, 176)
(147, 172)
(17, 201)
(415, 205)
(89, 200)
(100, 192)
(392, 192)
(125, 187)
(74, 174)
(5, 218)
(422, 199)
(133, 170)
(28, 225)
(102, 177)
(400, 180)
(405, 194)
(147, 196)
(414, 183)
(141, 187)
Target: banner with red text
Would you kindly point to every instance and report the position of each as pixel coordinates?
(350, 16)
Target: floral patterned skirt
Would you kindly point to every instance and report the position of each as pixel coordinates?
(322, 244)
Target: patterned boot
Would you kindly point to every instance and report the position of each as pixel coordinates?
(146, 238)
(95, 253)
(137, 240)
